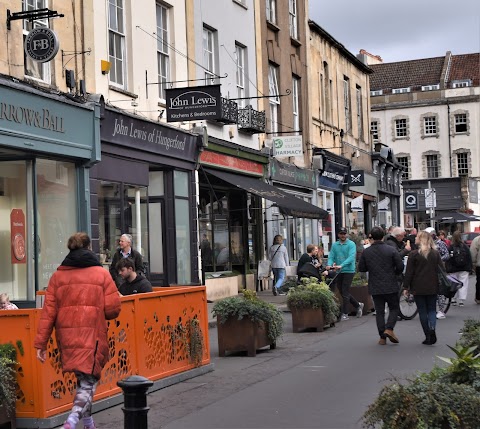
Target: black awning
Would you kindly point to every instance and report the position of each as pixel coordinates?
(289, 204)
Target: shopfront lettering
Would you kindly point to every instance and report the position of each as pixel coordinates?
(33, 118)
(332, 175)
(124, 130)
(191, 100)
(19, 224)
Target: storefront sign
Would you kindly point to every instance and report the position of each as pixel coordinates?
(288, 173)
(287, 146)
(193, 103)
(411, 201)
(232, 163)
(132, 132)
(43, 118)
(357, 178)
(41, 44)
(333, 175)
(17, 237)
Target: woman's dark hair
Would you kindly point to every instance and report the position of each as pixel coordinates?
(79, 240)
(377, 233)
(457, 238)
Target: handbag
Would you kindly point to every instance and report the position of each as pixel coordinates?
(447, 285)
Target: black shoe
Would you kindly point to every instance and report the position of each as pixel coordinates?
(433, 337)
(274, 290)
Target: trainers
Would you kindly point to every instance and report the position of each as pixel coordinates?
(391, 336)
(454, 302)
(90, 427)
(477, 301)
(274, 291)
(374, 312)
(382, 341)
(345, 317)
(282, 294)
(441, 315)
(67, 425)
(461, 303)
(360, 309)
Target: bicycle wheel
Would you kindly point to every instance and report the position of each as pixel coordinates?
(408, 307)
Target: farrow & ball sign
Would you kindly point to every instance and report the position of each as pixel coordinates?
(41, 44)
(193, 103)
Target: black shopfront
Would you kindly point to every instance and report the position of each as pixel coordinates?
(145, 186)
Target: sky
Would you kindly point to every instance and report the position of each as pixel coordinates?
(401, 30)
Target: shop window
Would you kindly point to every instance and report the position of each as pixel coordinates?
(122, 209)
(57, 214)
(182, 226)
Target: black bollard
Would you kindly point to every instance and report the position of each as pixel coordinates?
(135, 408)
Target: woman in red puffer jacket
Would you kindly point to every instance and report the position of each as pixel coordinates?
(80, 298)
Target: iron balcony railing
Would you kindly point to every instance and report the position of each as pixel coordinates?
(229, 114)
(251, 121)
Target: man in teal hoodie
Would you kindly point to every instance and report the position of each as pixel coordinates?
(342, 258)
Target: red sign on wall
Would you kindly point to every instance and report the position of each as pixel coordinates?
(17, 236)
(220, 160)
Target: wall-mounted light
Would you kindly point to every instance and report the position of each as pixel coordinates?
(342, 133)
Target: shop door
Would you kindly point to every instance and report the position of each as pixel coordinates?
(156, 210)
(16, 230)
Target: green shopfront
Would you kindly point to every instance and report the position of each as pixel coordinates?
(47, 144)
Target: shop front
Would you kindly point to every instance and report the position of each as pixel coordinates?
(332, 183)
(145, 186)
(362, 201)
(47, 145)
(297, 232)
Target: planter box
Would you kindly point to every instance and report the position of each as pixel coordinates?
(242, 335)
(7, 422)
(360, 293)
(307, 318)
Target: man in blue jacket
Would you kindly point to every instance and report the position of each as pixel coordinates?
(342, 258)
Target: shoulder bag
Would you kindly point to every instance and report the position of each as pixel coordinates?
(447, 285)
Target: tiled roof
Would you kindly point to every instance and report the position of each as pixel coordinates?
(405, 74)
(465, 66)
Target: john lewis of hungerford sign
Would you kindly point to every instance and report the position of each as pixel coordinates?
(287, 146)
(193, 103)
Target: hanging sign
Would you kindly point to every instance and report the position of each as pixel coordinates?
(17, 236)
(287, 146)
(194, 103)
(41, 44)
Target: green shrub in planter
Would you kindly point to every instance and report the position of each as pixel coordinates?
(8, 397)
(250, 306)
(314, 294)
(445, 398)
(470, 334)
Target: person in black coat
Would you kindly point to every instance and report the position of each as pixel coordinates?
(459, 265)
(133, 282)
(395, 240)
(383, 263)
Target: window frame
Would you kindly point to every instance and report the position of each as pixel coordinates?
(431, 87)
(432, 164)
(296, 104)
(398, 123)
(43, 68)
(405, 163)
(274, 99)
(462, 83)
(240, 56)
(400, 90)
(347, 104)
(293, 19)
(114, 59)
(209, 55)
(358, 93)
(375, 130)
(163, 54)
(376, 92)
(457, 123)
(430, 126)
(271, 11)
(462, 164)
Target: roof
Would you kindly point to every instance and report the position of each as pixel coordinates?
(404, 74)
(426, 71)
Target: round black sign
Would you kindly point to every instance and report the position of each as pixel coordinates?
(41, 44)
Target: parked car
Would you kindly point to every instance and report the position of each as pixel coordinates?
(468, 237)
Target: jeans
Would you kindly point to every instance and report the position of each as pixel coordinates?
(343, 282)
(427, 311)
(279, 275)
(393, 302)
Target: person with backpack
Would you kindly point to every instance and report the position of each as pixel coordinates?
(279, 257)
(459, 266)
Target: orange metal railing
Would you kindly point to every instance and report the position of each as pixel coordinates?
(151, 337)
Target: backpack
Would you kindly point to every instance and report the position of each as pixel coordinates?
(459, 255)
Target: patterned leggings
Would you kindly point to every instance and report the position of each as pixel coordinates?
(82, 403)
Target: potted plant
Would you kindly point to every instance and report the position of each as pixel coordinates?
(313, 305)
(8, 383)
(246, 323)
(446, 397)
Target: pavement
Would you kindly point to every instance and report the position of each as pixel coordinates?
(218, 399)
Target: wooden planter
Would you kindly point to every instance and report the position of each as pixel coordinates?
(7, 422)
(242, 335)
(360, 293)
(307, 318)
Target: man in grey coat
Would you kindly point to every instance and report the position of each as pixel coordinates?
(383, 263)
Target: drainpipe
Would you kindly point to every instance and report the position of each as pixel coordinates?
(449, 137)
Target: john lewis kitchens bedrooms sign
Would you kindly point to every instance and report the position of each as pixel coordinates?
(41, 44)
(193, 103)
